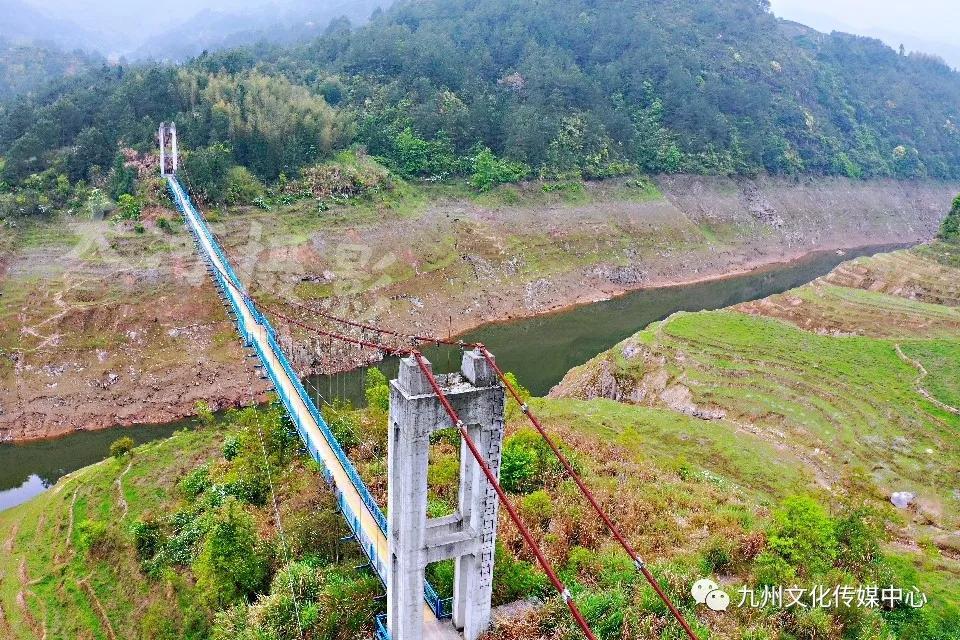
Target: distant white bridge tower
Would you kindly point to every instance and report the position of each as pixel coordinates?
(169, 157)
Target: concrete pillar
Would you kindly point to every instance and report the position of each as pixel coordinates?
(176, 154)
(163, 149)
(168, 148)
(468, 536)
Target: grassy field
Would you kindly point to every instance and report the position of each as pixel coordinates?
(51, 589)
(695, 434)
(720, 419)
(852, 375)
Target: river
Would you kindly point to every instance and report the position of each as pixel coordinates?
(538, 350)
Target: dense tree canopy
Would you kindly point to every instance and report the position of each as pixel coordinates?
(558, 88)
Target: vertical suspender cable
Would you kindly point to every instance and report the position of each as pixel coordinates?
(641, 566)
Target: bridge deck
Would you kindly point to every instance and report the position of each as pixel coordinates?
(375, 543)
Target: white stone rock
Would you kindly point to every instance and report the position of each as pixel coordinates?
(902, 499)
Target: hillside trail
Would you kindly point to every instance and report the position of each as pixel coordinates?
(121, 499)
(918, 382)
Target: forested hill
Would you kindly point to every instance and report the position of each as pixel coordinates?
(672, 85)
(24, 67)
(554, 88)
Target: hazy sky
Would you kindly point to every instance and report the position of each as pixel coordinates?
(135, 18)
(924, 25)
(930, 26)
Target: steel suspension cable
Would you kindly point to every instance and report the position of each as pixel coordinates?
(504, 500)
(370, 327)
(283, 537)
(565, 462)
(638, 561)
(356, 324)
(314, 329)
(614, 529)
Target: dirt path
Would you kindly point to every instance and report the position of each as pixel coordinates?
(918, 383)
(98, 606)
(121, 500)
(73, 503)
(8, 543)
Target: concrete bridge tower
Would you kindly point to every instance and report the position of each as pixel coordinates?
(468, 535)
(169, 157)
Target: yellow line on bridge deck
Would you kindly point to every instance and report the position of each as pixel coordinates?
(433, 629)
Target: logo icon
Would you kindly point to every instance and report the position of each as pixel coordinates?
(708, 592)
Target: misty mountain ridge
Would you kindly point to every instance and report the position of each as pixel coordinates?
(277, 23)
(168, 36)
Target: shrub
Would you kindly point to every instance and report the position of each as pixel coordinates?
(147, 538)
(230, 565)
(803, 535)
(252, 489)
(582, 562)
(377, 390)
(231, 447)
(346, 177)
(950, 228)
(121, 447)
(345, 428)
(316, 532)
(207, 171)
(165, 225)
(196, 482)
(513, 409)
(616, 569)
(129, 207)
(413, 156)
(537, 507)
(122, 178)
(518, 468)
(859, 533)
(516, 579)
(94, 538)
(189, 528)
(810, 624)
(242, 187)
(488, 170)
(771, 569)
(204, 413)
(718, 556)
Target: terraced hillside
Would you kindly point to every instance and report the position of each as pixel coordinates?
(732, 444)
(108, 323)
(854, 373)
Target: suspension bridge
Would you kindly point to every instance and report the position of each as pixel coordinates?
(454, 401)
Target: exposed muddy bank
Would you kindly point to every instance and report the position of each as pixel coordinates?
(98, 346)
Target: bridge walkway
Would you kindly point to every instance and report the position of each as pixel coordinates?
(361, 512)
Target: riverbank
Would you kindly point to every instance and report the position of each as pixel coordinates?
(811, 380)
(540, 351)
(851, 377)
(104, 326)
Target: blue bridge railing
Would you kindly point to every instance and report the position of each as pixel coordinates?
(231, 287)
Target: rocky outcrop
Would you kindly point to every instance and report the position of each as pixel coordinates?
(99, 352)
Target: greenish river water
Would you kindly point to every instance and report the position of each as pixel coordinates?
(538, 350)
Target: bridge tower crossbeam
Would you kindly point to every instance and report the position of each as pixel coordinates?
(468, 536)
